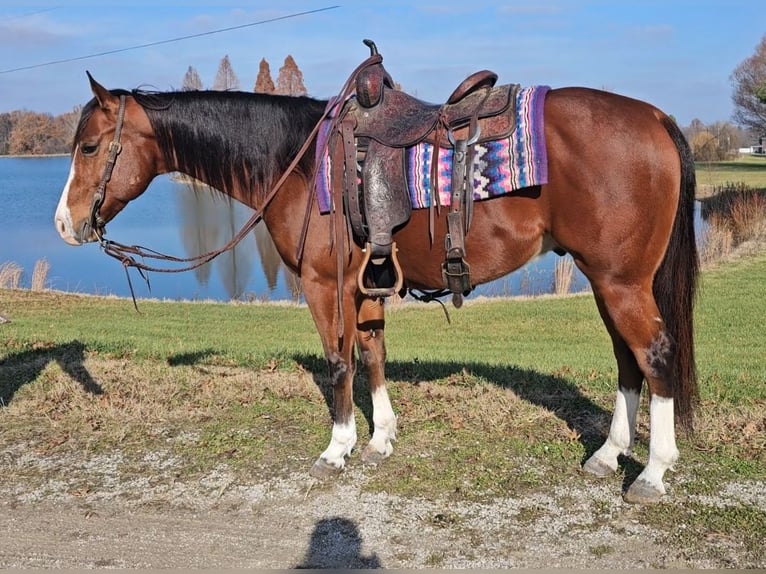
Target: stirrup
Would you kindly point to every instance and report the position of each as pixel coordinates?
(380, 291)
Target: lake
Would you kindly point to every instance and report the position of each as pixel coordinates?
(172, 219)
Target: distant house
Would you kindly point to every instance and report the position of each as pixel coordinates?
(755, 149)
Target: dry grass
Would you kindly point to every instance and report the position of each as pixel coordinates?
(10, 275)
(40, 275)
(736, 217)
(739, 209)
(562, 275)
(718, 242)
(748, 217)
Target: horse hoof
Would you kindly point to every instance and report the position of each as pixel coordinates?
(597, 467)
(322, 469)
(372, 456)
(642, 492)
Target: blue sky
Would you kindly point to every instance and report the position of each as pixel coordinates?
(676, 54)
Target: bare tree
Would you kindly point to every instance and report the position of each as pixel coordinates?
(34, 133)
(290, 79)
(749, 97)
(263, 83)
(225, 78)
(192, 81)
(714, 142)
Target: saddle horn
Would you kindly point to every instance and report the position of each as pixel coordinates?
(371, 45)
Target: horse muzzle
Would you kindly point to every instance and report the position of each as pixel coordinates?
(78, 235)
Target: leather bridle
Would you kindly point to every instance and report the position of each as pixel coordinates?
(95, 222)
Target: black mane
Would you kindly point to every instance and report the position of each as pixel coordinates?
(228, 137)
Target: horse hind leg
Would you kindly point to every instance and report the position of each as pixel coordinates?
(622, 431)
(372, 351)
(663, 452)
(643, 350)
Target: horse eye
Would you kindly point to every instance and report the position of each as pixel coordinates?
(88, 149)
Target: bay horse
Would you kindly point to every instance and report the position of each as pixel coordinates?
(619, 199)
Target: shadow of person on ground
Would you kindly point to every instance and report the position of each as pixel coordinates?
(20, 368)
(336, 543)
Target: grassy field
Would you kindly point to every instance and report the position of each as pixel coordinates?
(509, 398)
(749, 170)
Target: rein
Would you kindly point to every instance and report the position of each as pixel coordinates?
(127, 254)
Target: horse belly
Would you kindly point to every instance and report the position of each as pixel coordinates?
(505, 233)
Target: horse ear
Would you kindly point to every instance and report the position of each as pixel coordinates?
(105, 99)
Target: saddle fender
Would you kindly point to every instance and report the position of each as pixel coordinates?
(386, 200)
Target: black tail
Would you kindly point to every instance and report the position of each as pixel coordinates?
(675, 284)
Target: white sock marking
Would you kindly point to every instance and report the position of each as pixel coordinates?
(341, 444)
(384, 421)
(662, 442)
(622, 432)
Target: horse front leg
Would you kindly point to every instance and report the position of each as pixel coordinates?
(339, 351)
(372, 350)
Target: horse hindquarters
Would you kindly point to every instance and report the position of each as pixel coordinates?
(626, 228)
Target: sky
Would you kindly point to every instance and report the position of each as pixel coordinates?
(675, 54)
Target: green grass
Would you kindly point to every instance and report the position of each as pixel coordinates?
(251, 335)
(550, 336)
(731, 338)
(506, 400)
(748, 170)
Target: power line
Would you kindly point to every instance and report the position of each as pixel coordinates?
(171, 40)
(19, 16)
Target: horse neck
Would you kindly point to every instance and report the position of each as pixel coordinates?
(238, 143)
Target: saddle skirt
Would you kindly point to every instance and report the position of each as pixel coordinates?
(501, 165)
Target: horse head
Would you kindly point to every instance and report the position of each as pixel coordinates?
(114, 158)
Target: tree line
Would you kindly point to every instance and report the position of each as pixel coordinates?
(23, 132)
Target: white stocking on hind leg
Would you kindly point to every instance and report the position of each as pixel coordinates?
(642, 350)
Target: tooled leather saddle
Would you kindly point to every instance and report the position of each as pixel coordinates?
(384, 122)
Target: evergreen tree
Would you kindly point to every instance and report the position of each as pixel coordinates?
(290, 79)
(225, 78)
(263, 83)
(192, 81)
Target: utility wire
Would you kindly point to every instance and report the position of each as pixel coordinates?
(18, 17)
(171, 40)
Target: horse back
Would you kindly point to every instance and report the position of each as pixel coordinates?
(613, 181)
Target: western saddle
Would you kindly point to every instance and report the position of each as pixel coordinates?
(376, 128)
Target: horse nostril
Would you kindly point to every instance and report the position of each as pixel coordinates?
(60, 227)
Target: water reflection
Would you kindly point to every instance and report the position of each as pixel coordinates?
(208, 219)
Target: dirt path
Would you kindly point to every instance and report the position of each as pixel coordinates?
(292, 522)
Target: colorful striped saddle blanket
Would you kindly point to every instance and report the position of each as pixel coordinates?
(499, 166)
